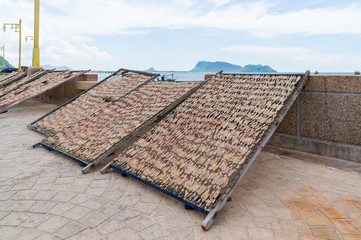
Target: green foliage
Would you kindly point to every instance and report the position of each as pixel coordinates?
(7, 64)
(258, 68)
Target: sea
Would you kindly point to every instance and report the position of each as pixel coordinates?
(199, 76)
(178, 75)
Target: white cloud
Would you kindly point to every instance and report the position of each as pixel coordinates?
(78, 51)
(267, 50)
(73, 25)
(133, 32)
(218, 3)
(321, 21)
(255, 17)
(302, 58)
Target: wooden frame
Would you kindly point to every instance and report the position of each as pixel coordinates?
(17, 76)
(153, 119)
(123, 70)
(30, 80)
(67, 102)
(208, 220)
(160, 114)
(6, 109)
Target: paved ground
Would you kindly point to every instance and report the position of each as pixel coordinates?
(45, 196)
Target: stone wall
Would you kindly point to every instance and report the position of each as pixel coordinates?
(325, 119)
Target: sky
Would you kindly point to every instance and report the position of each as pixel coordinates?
(287, 35)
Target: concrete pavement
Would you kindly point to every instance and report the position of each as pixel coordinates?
(44, 195)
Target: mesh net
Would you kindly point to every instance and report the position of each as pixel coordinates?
(91, 101)
(34, 88)
(89, 138)
(197, 152)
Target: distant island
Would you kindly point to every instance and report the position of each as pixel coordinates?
(151, 70)
(60, 68)
(204, 66)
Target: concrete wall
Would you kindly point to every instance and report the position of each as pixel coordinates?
(71, 88)
(325, 119)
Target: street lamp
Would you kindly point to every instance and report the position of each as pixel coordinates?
(3, 49)
(17, 28)
(31, 38)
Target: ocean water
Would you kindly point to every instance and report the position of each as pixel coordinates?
(185, 76)
(178, 75)
(199, 76)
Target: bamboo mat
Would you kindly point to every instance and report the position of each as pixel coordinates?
(34, 88)
(196, 152)
(11, 84)
(91, 137)
(88, 103)
(8, 77)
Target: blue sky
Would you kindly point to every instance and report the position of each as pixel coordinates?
(323, 35)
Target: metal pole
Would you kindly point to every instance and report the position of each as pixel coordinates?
(3, 57)
(17, 28)
(36, 52)
(19, 67)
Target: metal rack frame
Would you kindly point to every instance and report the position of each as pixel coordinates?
(136, 131)
(187, 204)
(141, 127)
(30, 80)
(208, 220)
(113, 148)
(16, 77)
(69, 101)
(77, 75)
(122, 70)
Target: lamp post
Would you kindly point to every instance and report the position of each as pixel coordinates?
(17, 28)
(3, 49)
(36, 51)
(29, 38)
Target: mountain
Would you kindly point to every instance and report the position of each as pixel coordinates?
(7, 64)
(151, 70)
(49, 67)
(204, 66)
(258, 68)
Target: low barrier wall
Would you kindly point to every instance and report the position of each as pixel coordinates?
(72, 88)
(325, 119)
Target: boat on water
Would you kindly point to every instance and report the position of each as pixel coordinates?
(164, 77)
(357, 72)
(316, 72)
